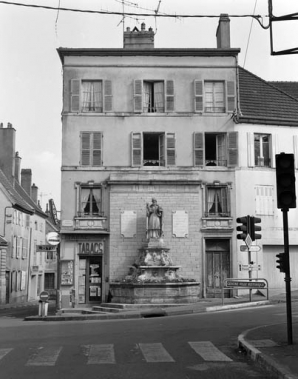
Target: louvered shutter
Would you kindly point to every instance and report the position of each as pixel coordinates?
(85, 149)
(138, 96)
(198, 96)
(75, 87)
(250, 149)
(199, 153)
(171, 149)
(169, 96)
(97, 149)
(162, 150)
(108, 96)
(295, 145)
(136, 149)
(231, 96)
(233, 149)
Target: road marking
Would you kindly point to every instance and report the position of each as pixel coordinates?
(3, 352)
(45, 356)
(209, 352)
(155, 352)
(100, 354)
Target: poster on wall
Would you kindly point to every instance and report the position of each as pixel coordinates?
(23, 280)
(66, 273)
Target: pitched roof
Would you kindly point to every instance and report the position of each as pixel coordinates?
(291, 88)
(17, 201)
(263, 103)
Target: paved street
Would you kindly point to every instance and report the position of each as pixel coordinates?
(190, 346)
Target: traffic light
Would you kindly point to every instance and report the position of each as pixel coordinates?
(281, 262)
(285, 181)
(255, 228)
(244, 228)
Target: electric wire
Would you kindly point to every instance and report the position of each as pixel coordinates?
(249, 34)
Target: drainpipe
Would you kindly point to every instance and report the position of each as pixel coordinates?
(29, 262)
(237, 89)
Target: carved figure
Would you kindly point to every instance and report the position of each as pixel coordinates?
(154, 220)
(165, 259)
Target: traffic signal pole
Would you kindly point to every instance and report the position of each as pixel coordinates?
(287, 276)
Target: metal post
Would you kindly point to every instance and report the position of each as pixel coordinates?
(287, 276)
(249, 274)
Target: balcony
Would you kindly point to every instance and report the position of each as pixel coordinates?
(94, 221)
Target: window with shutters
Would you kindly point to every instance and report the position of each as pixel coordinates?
(216, 149)
(91, 149)
(214, 96)
(264, 197)
(91, 96)
(90, 201)
(217, 202)
(153, 149)
(153, 96)
(262, 150)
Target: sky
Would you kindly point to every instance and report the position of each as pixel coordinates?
(31, 71)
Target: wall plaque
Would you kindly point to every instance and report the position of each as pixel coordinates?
(128, 224)
(180, 224)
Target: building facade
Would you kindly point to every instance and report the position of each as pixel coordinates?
(187, 127)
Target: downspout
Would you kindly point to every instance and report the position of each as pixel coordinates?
(238, 110)
(29, 263)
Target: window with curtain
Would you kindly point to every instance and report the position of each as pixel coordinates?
(262, 150)
(92, 99)
(214, 97)
(153, 97)
(90, 201)
(217, 201)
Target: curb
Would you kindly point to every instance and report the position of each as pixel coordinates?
(263, 360)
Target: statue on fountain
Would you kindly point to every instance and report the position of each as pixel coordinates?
(154, 220)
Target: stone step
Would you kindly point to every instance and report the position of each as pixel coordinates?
(100, 309)
(129, 307)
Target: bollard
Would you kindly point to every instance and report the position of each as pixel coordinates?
(40, 308)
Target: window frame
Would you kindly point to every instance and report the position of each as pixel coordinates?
(139, 95)
(76, 96)
(166, 147)
(87, 186)
(229, 96)
(224, 191)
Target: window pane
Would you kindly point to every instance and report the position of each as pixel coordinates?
(92, 96)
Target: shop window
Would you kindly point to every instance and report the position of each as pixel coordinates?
(153, 96)
(90, 201)
(91, 96)
(153, 149)
(217, 203)
(91, 149)
(216, 149)
(49, 280)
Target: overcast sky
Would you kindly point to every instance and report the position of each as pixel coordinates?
(31, 72)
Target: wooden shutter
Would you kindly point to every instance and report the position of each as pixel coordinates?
(171, 149)
(75, 88)
(169, 96)
(162, 160)
(231, 96)
(108, 96)
(273, 149)
(199, 153)
(233, 149)
(85, 148)
(295, 149)
(250, 149)
(136, 149)
(97, 149)
(138, 96)
(198, 96)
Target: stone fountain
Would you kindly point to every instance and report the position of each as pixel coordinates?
(153, 278)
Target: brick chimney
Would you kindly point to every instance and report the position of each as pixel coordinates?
(34, 193)
(26, 180)
(138, 39)
(223, 32)
(17, 167)
(7, 151)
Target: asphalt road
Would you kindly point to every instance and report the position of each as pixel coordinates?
(181, 347)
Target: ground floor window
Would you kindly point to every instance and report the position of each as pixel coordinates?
(49, 280)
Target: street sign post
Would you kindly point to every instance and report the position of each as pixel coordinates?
(40, 248)
(250, 267)
(252, 248)
(245, 283)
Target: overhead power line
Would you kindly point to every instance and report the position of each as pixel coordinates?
(126, 13)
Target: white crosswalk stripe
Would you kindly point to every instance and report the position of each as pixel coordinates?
(44, 356)
(105, 353)
(155, 352)
(3, 352)
(99, 354)
(209, 352)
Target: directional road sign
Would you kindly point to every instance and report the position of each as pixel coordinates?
(252, 248)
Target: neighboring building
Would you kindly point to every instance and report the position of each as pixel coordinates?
(22, 224)
(175, 124)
